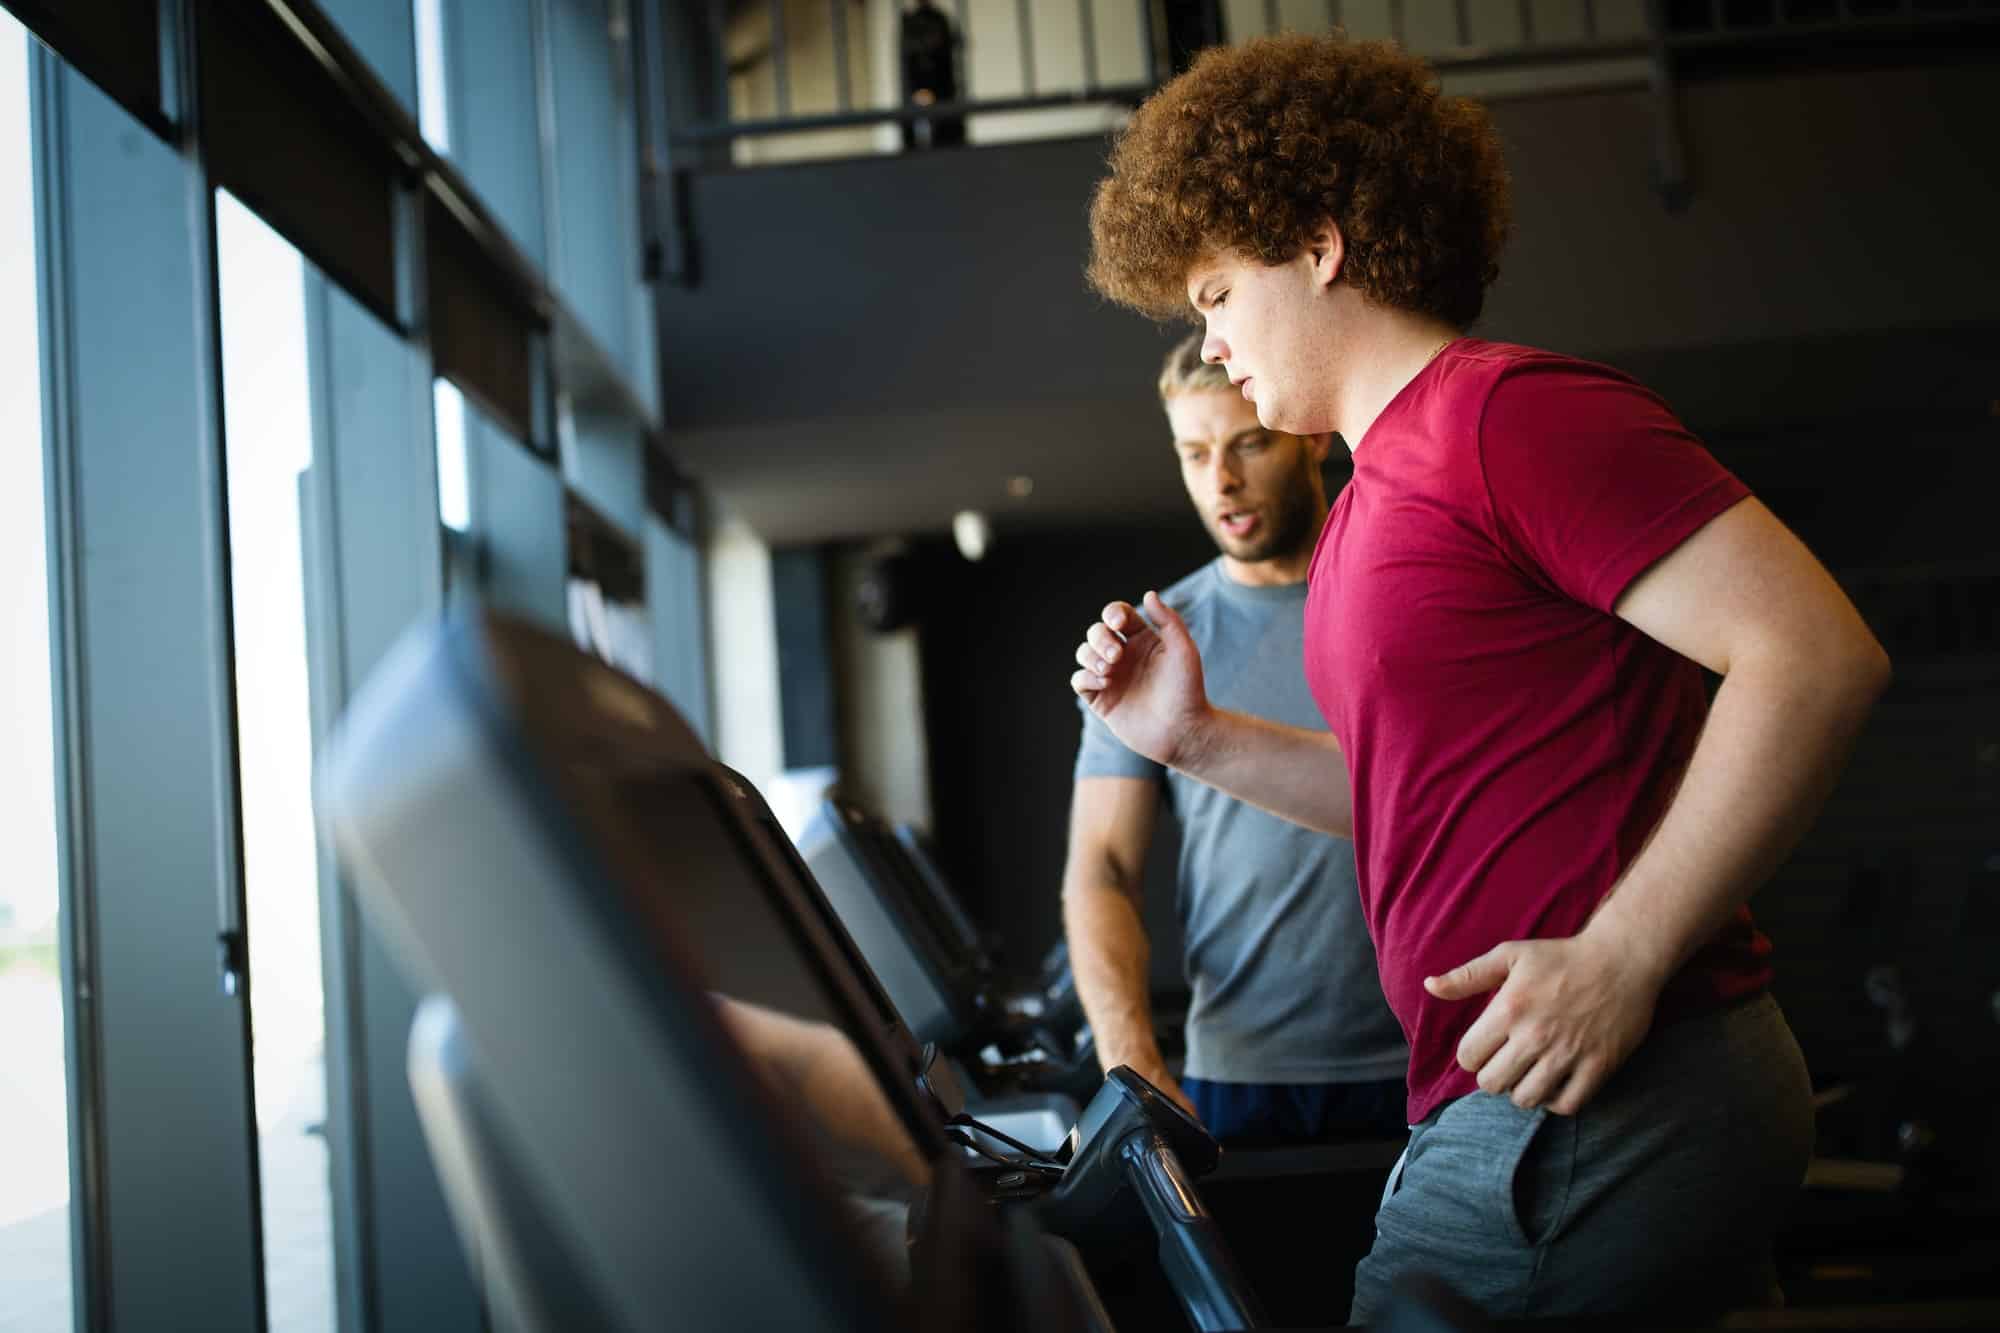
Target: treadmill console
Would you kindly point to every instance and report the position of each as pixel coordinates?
(1128, 1098)
(1129, 1163)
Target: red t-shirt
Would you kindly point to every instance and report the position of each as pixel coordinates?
(1511, 742)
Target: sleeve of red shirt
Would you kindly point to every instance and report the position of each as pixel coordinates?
(1591, 480)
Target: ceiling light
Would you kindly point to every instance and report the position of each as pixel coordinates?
(973, 533)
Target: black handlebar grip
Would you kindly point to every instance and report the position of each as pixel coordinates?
(1197, 1261)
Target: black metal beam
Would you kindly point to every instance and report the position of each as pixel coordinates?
(1670, 161)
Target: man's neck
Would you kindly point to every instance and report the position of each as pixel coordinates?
(1385, 350)
(1267, 573)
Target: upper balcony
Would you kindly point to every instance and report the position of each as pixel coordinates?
(791, 80)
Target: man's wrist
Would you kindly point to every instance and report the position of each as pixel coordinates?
(1638, 950)
(1143, 1057)
(1200, 738)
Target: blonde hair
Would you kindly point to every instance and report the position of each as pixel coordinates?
(1185, 372)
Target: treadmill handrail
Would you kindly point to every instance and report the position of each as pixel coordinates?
(1197, 1261)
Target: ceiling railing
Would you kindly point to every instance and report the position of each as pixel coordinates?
(1099, 58)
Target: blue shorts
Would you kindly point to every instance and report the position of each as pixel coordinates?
(1271, 1115)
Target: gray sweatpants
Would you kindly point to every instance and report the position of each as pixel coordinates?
(1660, 1197)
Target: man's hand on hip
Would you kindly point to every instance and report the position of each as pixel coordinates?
(1567, 1014)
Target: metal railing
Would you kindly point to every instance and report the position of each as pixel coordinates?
(846, 115)
(1458, 37)
(1709, 22)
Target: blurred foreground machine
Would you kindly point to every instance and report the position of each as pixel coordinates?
(553, 855)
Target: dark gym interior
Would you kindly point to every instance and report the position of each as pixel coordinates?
(676, 347)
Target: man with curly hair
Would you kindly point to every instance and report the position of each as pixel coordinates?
(1556, 831)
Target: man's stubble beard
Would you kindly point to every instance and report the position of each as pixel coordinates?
(1291, 526)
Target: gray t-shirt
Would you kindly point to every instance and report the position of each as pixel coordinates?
(1283, 973)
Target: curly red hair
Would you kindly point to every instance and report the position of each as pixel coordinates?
(1256, 145)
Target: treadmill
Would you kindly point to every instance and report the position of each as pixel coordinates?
(1006, 1031)
(1052, 991)
(1006, 1036)
(547, 847)
(1009, 1041)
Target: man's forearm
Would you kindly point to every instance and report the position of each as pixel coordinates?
(1111, 959)
(1295, 773)
(1777, 738)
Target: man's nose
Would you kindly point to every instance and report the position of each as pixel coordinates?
(1227, 478)
(1213, 349)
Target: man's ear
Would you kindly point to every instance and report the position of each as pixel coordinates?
(1319, 446)
(1328, 250)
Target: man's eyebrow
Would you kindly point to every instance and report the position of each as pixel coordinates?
(1246, 433)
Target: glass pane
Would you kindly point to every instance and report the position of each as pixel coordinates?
(381, 31)
(34, 1119)
(479, 98)
(596, 166)
(433, 111)
(267, 414)
(454, 483)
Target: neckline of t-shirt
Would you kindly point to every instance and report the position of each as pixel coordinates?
(1254, 592)
(1449, 349)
